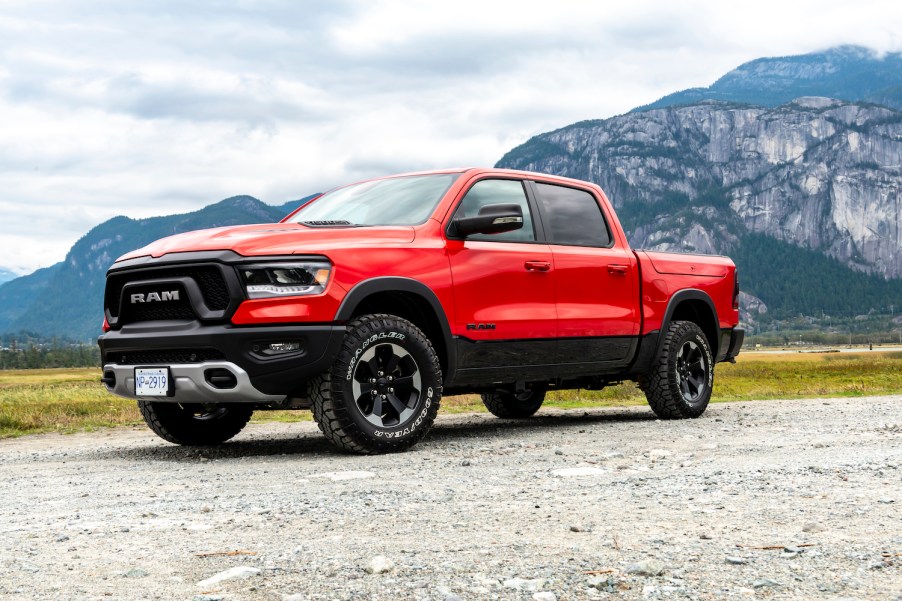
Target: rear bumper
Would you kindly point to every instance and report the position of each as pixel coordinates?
(737, 336)
(191, 350)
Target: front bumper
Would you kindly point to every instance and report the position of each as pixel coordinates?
(191, 384)
(192, 351)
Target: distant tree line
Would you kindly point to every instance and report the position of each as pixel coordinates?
(812, 337)
(28, 351)
(797, 281)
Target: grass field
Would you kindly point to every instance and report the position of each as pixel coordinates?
(69, 400)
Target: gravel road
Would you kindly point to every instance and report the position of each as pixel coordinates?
(771, 500)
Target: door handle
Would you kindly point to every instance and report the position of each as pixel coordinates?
(618, 269)
(537, 266)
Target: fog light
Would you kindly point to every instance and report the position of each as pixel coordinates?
(284, 347)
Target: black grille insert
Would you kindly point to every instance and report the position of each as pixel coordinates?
(158, 309)
(197, 355)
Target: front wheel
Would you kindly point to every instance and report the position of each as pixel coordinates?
(383, 391)
(192, 424)
(680, 382)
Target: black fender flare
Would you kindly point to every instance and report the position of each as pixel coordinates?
(689, 294)
(366, 288)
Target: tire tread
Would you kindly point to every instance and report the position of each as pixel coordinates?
(658, 385)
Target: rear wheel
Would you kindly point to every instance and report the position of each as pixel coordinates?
(383, 391)
(192, 424)
(510, 404)
(679, 384)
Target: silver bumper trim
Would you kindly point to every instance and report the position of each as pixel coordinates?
(191, 386)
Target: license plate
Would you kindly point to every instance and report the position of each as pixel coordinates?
(152, 381)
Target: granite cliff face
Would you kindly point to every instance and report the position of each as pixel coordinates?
(816, 173)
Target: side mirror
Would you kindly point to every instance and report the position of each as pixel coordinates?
(492, 219)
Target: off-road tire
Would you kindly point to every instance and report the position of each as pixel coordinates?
(508, 404)
(341, 398)
(680, 381)
(193, 424)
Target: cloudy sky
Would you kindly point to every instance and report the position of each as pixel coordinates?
(151, 108)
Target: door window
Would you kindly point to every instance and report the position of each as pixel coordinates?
(572, 217)
(498, 191)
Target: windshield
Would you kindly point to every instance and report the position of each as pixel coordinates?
(408, 200)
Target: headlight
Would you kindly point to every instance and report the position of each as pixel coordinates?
(286, 279)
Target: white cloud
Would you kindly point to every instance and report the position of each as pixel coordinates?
(110, 108)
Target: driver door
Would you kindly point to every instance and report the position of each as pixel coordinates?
(505, 317)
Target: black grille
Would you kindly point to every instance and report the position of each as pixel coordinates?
(198, 355)
(213, 287)
(209, 279)
(180, 309)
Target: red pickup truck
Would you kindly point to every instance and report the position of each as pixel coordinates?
(372, 301)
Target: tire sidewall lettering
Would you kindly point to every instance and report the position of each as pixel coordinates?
(414, 425)
(391, 335)
(702, 342)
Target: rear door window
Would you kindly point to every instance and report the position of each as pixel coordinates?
(572, 217)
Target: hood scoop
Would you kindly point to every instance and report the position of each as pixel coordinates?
(327, 223)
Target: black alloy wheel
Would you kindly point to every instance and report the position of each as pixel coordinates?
(387, 385)
(691, 371)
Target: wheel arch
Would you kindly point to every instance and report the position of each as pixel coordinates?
(411, 300)
(695, 306)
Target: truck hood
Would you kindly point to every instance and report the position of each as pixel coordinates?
(276, 239)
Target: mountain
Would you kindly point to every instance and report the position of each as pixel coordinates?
(67, 298)
(18, 294)
(849, 73)
(7, 275)
(816, 175)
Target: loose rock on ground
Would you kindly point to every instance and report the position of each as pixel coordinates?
(768, 499)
